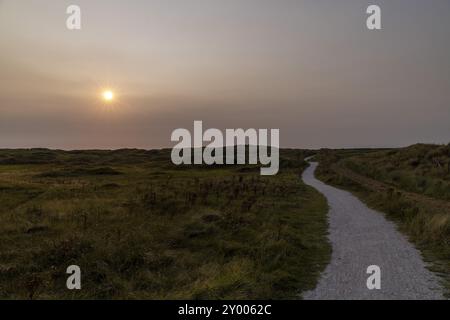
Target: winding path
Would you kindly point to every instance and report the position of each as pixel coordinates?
(362, 237)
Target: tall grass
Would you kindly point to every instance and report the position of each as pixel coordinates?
(141, 228)
(412, 177)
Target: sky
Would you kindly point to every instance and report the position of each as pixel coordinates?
(309, 68)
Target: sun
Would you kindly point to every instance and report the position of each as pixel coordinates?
(108, 95)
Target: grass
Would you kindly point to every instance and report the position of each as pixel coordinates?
(141, 228)
(421, 168)
(411, 185)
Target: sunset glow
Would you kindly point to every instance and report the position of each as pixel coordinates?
(108, 95)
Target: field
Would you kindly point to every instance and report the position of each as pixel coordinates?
(411, 185)
(142, 228)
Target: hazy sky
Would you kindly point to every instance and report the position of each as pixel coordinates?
(310, 68)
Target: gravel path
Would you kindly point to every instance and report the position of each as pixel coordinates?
(362, 237)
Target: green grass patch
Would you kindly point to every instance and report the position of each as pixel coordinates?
(141, 228)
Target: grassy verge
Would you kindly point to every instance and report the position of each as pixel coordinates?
(424, 219)
(140, 228)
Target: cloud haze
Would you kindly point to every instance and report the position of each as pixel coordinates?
(309, 68)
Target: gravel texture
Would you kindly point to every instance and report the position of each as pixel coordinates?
(361, 237)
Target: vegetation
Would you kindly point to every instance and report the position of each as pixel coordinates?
(141, 228)
(423, 169)
(411, 185)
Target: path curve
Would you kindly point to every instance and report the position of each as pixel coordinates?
(362, 237)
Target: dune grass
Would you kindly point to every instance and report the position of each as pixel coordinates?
(411, 185)
(141, 228)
